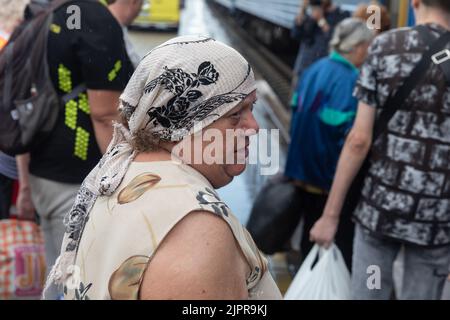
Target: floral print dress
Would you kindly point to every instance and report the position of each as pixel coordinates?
(125, 229)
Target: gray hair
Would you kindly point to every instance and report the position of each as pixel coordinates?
(349, 33)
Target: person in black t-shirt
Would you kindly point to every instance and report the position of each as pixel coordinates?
(125, 11)
(89, 68)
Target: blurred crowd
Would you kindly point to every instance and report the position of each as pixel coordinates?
(356, 115)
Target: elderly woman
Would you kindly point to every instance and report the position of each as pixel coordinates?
(147, 222)
(321, 120)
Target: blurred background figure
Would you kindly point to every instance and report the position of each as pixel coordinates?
(125, 11)
(322, 117)
(313, 27)
(363, 12)
(89, 70)
(11, 14)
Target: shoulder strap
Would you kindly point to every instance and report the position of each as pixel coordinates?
(74, 93)
(396, 101)
(442, 59)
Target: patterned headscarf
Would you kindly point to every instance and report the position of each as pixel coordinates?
(179, 88)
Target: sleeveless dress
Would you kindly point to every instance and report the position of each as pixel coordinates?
(126, 228)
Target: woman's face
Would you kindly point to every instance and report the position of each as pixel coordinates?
(224, 147)
(360, 54)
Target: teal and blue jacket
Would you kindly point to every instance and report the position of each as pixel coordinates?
(323, 113)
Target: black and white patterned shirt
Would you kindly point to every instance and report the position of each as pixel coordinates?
(406, 195)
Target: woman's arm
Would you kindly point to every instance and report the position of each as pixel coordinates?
(198, 259)
(350, 161)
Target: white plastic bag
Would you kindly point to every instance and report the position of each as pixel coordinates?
(322, 276)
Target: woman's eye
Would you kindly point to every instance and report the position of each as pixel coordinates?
(236, 115)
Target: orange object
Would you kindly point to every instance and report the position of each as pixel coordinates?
(3, 42)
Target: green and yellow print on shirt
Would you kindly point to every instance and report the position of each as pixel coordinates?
(71, 112)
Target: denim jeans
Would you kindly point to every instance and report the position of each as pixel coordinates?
(424, 275)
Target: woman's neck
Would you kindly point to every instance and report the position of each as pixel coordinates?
(159, 155)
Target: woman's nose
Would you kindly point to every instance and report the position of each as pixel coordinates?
(250, 122)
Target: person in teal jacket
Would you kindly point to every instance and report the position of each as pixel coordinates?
(321, 119)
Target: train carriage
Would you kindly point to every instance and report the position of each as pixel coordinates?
(159, 14)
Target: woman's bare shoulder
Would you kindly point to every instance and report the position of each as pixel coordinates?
(198, 259)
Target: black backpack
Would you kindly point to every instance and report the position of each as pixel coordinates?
(29, 104)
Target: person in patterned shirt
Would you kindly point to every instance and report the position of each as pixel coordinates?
(405, 200)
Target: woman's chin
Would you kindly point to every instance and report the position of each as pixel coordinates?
(234, 170)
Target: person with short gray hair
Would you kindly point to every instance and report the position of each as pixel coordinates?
(323, 114)
(349, 34)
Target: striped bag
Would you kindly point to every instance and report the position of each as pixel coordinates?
(22, 260)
